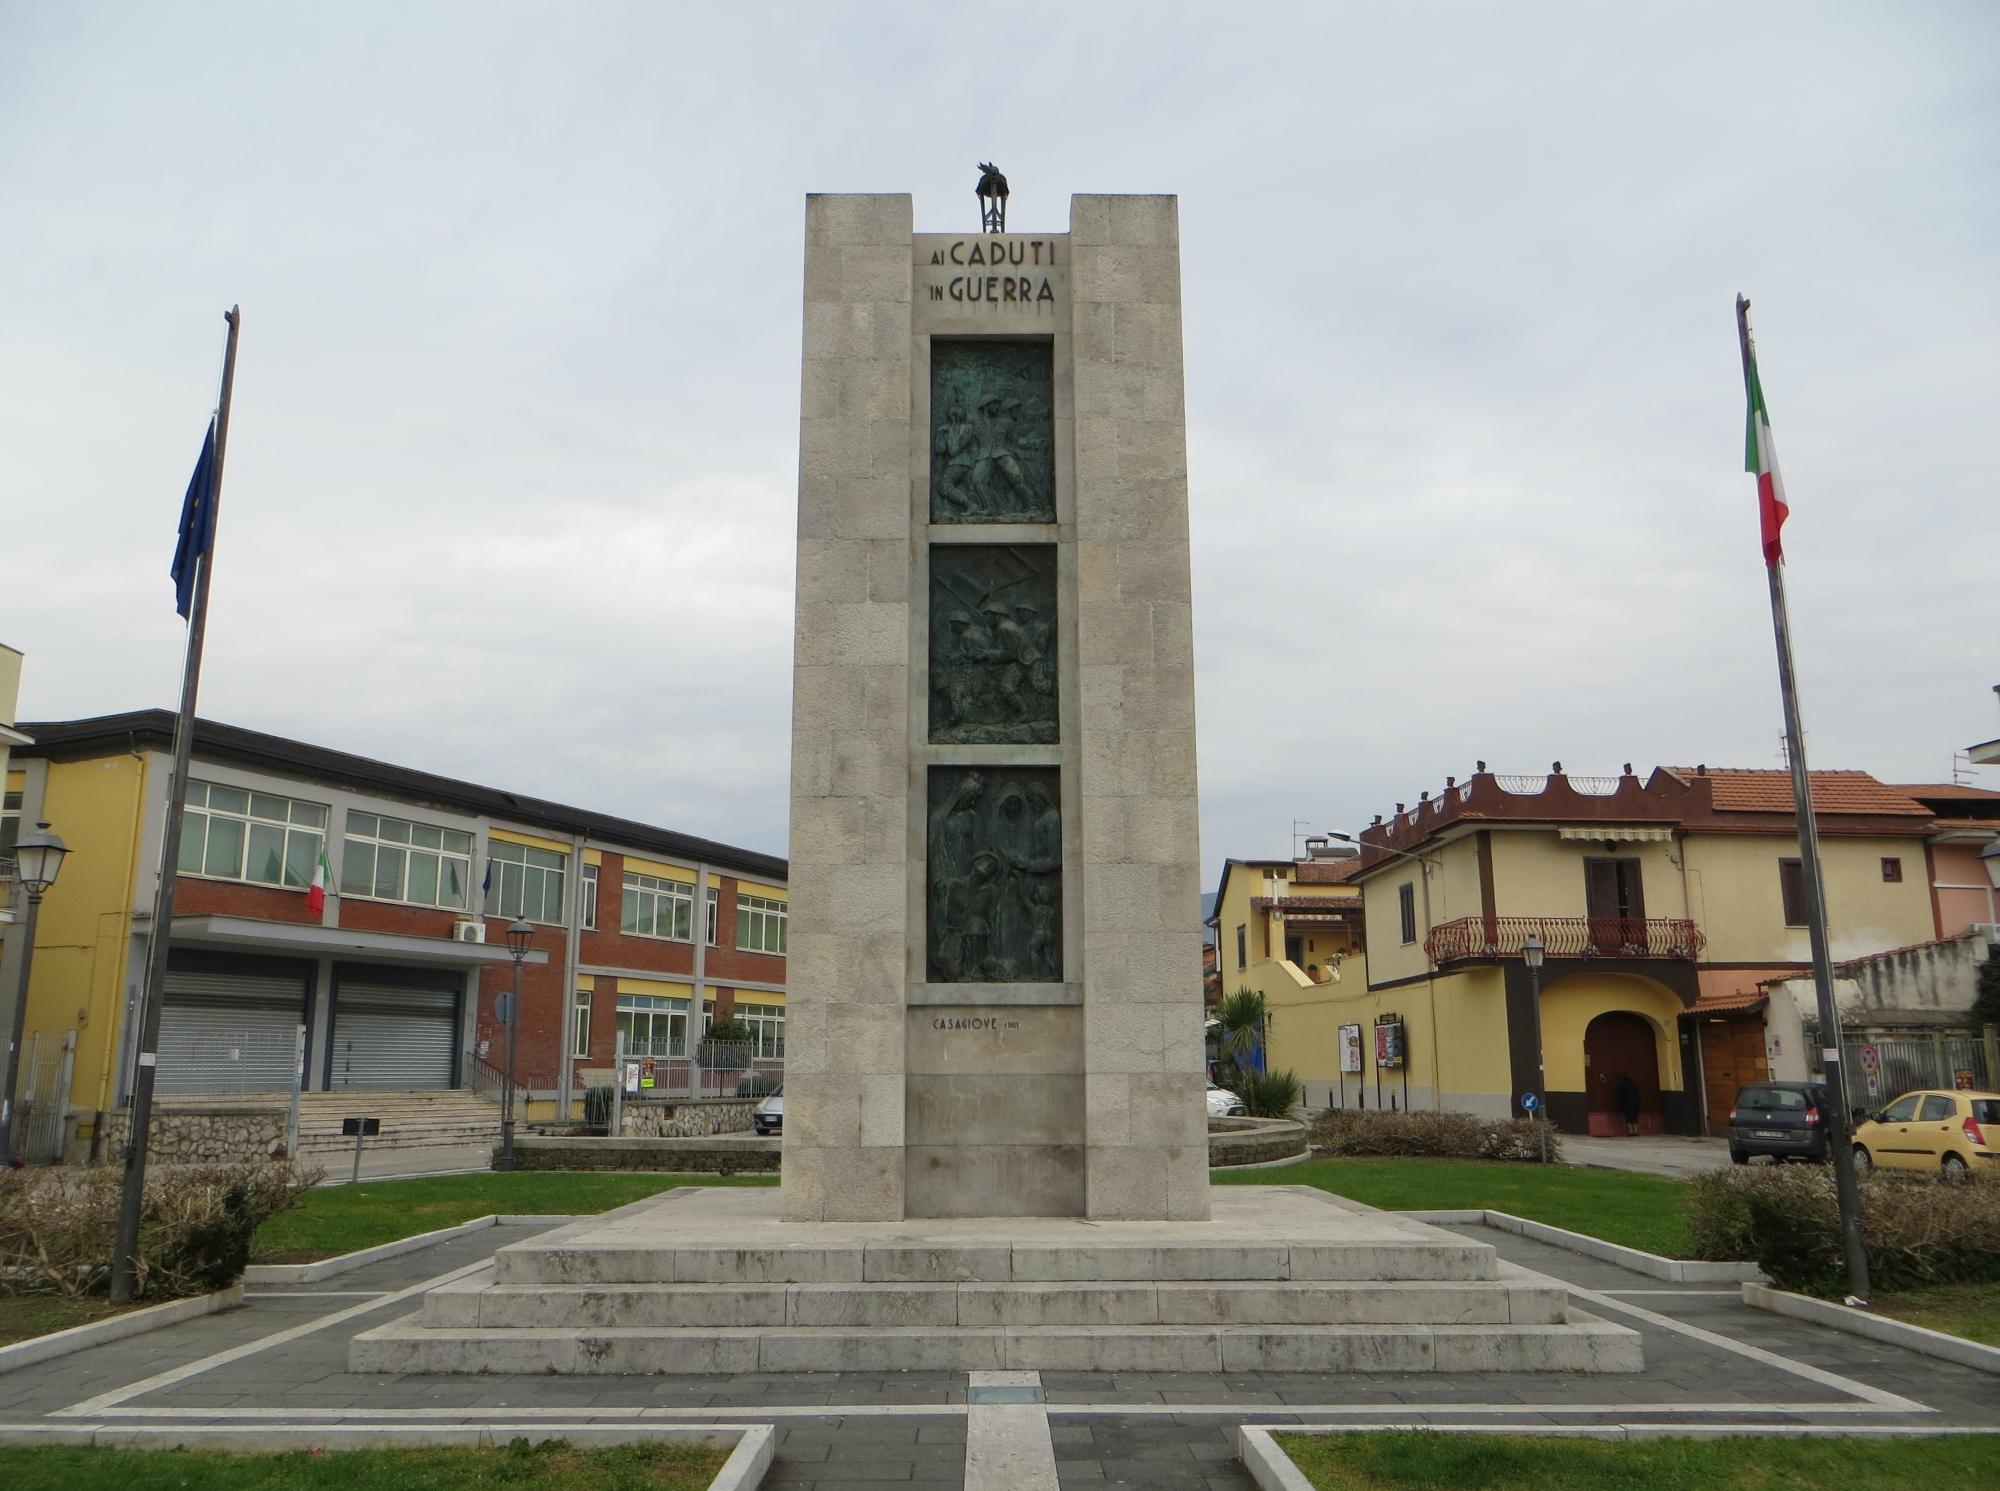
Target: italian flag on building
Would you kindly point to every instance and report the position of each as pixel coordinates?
(316, 893)
(1761, 457)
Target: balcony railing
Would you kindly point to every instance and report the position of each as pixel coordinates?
(1565, 937)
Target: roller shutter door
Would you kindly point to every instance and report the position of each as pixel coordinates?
(229, 1032)
(386, 1036)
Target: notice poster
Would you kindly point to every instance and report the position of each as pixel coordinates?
(646, 1073)
(1350, 1049)
(1389, 1043)
(631, 1076)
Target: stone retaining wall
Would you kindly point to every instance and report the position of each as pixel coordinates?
(1253, 1141)
(686, 1118)
(706, 1156)
(199, 1136)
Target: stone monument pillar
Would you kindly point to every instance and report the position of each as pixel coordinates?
(995, 992)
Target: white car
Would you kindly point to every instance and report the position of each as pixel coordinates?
(1222, 1103)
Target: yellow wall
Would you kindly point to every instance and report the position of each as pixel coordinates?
(84, 936)
(657, 987)
(533, 841)
(1537, 873)
(1570, 1004)
(757, 888)
(1733, 881)
(636, 866)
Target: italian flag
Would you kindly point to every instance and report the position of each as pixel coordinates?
(316, 892)
(1760, 456)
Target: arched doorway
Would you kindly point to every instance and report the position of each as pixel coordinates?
(1614, 1043)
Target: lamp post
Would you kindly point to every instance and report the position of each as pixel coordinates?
(1532, 952)
(519, 934)
(38, 860)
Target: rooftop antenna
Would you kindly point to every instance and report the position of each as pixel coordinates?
(1299, 827)
(1961, 769)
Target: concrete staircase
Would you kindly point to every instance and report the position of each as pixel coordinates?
(1281, 1280)
(411, 1119)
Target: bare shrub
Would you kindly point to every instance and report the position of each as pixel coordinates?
(1443, 1136)
(57, 1226)
(1786, 1219)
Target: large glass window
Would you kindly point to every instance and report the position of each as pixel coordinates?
(580, 1044)
(393, 859)
(524, 881)
(714, 912)
(231, 833)
(652, 1024)
(657, 908)
(589, 873)
(767, 1024)
(10, 834)
(760, 924)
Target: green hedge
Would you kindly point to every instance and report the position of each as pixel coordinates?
(1439, 1136)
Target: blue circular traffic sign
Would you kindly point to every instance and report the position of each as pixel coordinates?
(1529, 1102)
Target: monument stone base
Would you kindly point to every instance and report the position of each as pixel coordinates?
(1281, 1278)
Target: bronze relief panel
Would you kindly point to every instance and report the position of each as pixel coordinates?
(992, 647)
(995, 875)
(992, 431)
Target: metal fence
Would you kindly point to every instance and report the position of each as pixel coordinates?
(1907, 1063)
(715, 1069)
(41, 1123)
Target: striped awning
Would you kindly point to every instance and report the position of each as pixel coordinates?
(1617, 833)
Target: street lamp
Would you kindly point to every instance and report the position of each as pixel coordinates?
(519, 934)
(38, 860)
(1532, 952)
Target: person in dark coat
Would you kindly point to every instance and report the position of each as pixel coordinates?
(1628, 1103)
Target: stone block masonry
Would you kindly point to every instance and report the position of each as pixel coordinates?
(995, 893)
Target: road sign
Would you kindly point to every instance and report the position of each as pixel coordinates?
(1529, 1102)
(1871, 1060)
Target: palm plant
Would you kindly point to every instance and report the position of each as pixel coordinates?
(1269, 1094)
(1241, 1018)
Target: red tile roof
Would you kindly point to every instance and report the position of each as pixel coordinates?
(1327, 871)
(1949, 791)
(1770, 791)
(1735, 1002)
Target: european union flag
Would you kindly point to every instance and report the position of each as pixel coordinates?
(197, 524)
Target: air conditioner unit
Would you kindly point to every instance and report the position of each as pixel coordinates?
(468, 931)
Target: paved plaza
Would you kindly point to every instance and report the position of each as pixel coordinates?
(281, 1362)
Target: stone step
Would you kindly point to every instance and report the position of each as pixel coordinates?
(1583, 1344)
(477, 1303)
(991, 1262)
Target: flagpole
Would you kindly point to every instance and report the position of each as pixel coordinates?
(125, 1250)
(1846, 1186)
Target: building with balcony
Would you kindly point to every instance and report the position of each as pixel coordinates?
(1665, 905)
(1291, 930)
(394, 982)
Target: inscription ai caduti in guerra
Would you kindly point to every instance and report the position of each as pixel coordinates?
(992, 432)
(995, 913)
(993, 653)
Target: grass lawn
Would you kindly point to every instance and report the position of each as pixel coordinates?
(552, 1466)
(1446, 1462)
(340, 1219)
(1968, 1310)
(26, 1315)
(1640, 1211)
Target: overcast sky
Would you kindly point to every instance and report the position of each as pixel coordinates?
(511, 475)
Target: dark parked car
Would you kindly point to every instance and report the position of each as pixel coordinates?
(1785, 1120)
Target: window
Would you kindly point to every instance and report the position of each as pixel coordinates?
(767, 1025)
(1792, 888)
(580, 1042)
(1937, 1106)
(714, 912)
(1985, 1110)
(1903, 1109)
(393, 859)
(760, 924)
(231, 833)
(652, 1024)
(590, 896)
(1772, 1099)
(1406, 905)
(10, 829)
(524, 881)
(1892, 870)
(657, 908)
(1242, 948)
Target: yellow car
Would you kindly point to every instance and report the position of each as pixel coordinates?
(1952, 1133)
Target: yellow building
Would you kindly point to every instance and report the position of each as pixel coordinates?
(1291, 931)
(1660, 905)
